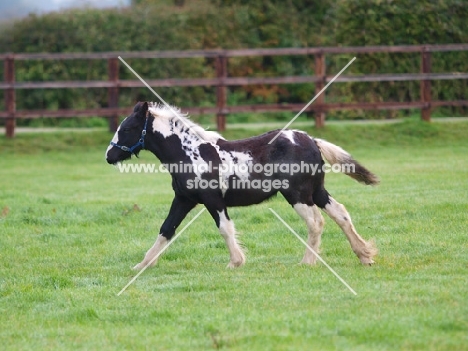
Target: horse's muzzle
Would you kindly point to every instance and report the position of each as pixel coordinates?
(112, 156)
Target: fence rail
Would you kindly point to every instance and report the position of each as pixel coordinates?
(222, 81)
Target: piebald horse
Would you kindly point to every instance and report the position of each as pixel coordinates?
(222, 173)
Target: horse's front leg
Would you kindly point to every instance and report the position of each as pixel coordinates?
(180, 207)
(228, 232)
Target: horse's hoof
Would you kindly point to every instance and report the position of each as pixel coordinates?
(138, 267)
(233, 265)
(308, 262)
(367, 262)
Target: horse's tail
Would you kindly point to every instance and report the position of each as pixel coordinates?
(349, 166)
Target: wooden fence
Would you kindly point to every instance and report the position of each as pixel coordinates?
(222, 81)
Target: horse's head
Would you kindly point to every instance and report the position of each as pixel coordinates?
(130, 136)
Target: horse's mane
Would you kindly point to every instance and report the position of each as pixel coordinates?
(167, 113)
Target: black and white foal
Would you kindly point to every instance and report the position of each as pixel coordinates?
(239, 173)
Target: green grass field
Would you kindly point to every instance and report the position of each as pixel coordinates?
(69, 233)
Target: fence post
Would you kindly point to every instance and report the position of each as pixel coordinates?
(113, 92)
(10, 97)
(320, 70)
(426, 85)
(221, 92)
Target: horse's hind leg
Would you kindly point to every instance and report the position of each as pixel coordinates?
(363, 249)
(314, 220)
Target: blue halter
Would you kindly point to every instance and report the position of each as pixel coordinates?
(140, 142)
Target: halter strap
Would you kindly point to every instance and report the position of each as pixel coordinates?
(140, 142)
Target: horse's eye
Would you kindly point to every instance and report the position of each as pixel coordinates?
(126, 130)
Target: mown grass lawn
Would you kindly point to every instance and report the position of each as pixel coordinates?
(69, 233)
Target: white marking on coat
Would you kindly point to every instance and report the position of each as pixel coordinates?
(160, 243)
(172, 121)
(364, 250)
(289, 134)
(169, 123)
(115, 138)
(314, 221)
(228, 232)
(233, 163)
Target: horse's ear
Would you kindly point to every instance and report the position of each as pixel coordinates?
(144, 107)
(141, 108)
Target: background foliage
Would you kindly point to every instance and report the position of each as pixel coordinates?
(196, 24)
